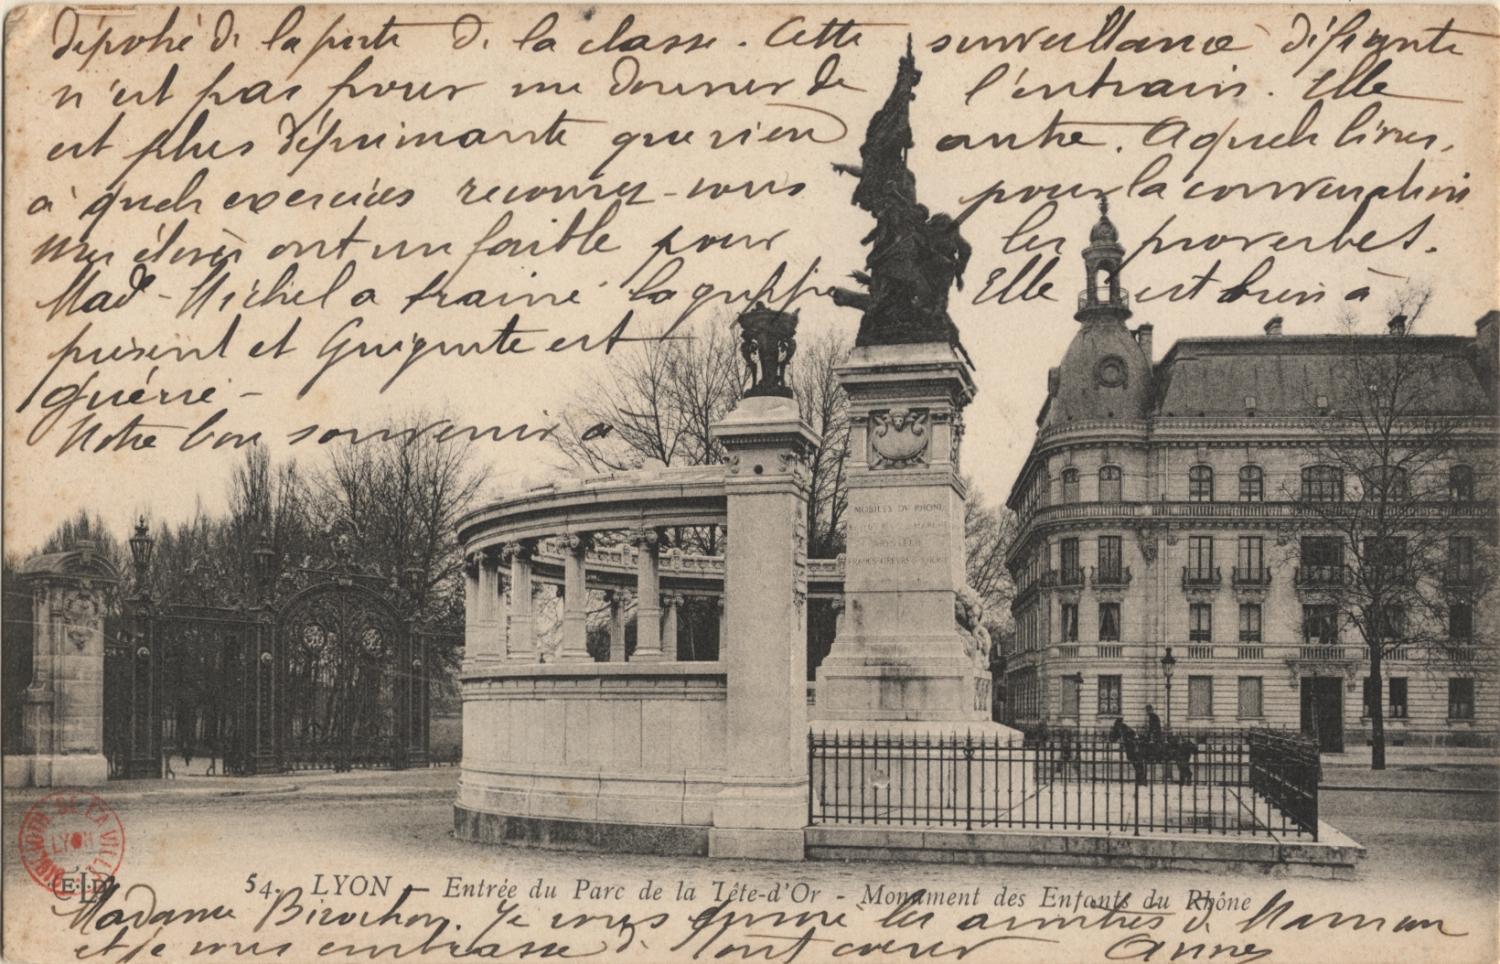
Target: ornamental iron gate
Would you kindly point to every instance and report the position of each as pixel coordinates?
(326, 672)
(352, 691)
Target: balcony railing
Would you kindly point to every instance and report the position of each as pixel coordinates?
(1112, 576)
(1062, 578)
(1461, 578)
(1200, 651)
(1323, 651)
(1244, 511)
(1111, 650)
(1103, 298)
(1201, 578)
(1313, 577)
(1252, 577)
(1251, 651)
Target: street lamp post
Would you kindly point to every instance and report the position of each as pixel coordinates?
(1168, 663)
(1077, 680)
(141, 545)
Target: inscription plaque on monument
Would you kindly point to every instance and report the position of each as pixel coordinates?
(900, 540)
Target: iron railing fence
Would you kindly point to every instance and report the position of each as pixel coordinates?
(1284, 770)
(1226, 782)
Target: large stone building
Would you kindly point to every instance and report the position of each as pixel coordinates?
(1165, 506)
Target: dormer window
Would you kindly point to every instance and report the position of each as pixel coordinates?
(1110, 372)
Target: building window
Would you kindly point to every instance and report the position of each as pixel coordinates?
(1109, 622)
(1200, 696)
(1070, 622)
(1252, 484)
(1322, 483)
(1385, 557)
(1251, 559)
(1200, 622)
(1393, 623)
(1385, 484)
(1395, 688)
(1461, 699)
(1070, 485)
(1320, 624)
(1110, 567)
(1109, 484)
(1200, 484)
(1069, 559)
(1069, 705)
(1461, 483)
(1109, 696)
(1460, 559)
(1322, 560)
(1250, 622)
(1460, 621)
(1250, 698)
(1200, 557)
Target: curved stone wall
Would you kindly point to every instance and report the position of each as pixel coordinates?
(622, 756)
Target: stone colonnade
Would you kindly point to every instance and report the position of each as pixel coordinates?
(499, 603)
(708, 758)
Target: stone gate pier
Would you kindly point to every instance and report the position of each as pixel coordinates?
(62, 730)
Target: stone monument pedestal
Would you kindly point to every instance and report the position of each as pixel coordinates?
(900, 654)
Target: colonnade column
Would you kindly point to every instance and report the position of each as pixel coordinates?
(617, 625)
(722, 608)
(761, 811)
(671, 603)
(471, 607)
(648, 641)
(575, 623)
(488, 615)
(522, 629)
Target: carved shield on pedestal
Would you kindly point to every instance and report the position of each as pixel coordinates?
(898, 437)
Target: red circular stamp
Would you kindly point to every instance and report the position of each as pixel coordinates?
(71, 842)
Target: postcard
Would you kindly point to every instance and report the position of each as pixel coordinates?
(751, 483)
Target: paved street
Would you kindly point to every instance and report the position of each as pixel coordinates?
(198, 840)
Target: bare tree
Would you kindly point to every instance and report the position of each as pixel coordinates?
(399, 504)
(988, 532)
(1388, 484)
(825, 406)
(657, 404)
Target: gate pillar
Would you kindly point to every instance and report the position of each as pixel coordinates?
(762, 809)
(62, 737)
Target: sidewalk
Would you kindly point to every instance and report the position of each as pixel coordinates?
(1423, 756)
(1422, 769)
(433, 782)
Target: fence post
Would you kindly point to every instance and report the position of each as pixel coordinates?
(809, 777)
(968, 780)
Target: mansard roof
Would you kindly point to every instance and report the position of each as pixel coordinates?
(1286, 375)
